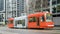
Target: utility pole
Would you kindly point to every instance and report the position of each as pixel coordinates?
(5, 12)
(50, 6)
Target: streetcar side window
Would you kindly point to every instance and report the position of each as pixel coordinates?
(20, 22)
(11, 21)
(32, 19)
(42, 18)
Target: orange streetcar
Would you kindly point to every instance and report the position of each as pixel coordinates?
(10, 23)
(40, 20)
(37, 20)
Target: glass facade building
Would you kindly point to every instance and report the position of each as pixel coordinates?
(20, 7)
(56, 8)
(14, 8)
(1, 5)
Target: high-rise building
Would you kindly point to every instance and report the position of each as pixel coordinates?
(20, 7)
(10, 8)
(14, 8)
(2, 11)
(2, 6)
(56, 12)
(55, 7)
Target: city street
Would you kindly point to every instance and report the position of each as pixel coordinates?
(5, 30)
(29, 14)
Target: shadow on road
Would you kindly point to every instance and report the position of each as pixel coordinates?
(55, 28)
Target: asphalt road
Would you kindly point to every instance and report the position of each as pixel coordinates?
(5, 30)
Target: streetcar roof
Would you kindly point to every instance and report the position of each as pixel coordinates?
(20, 18)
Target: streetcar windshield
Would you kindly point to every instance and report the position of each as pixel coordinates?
(48, 17)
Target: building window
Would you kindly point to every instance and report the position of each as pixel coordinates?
(58, 1)
(17, 13)
(54, 10)
(58, 8)
(54, 3)
(17, 4)
(48, 0)
(1, 5)
(17, 1)
(22, 0)
(56, 15)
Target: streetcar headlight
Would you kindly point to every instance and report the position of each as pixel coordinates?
(50, 25)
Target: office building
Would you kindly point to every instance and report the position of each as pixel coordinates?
(56, 11)
(2, 11)
(1, 5)
(10, 8)
(15, 8)
(20, 7)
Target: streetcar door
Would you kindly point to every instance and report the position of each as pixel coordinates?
(32, 22)
(2, 18)
(40, 19)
